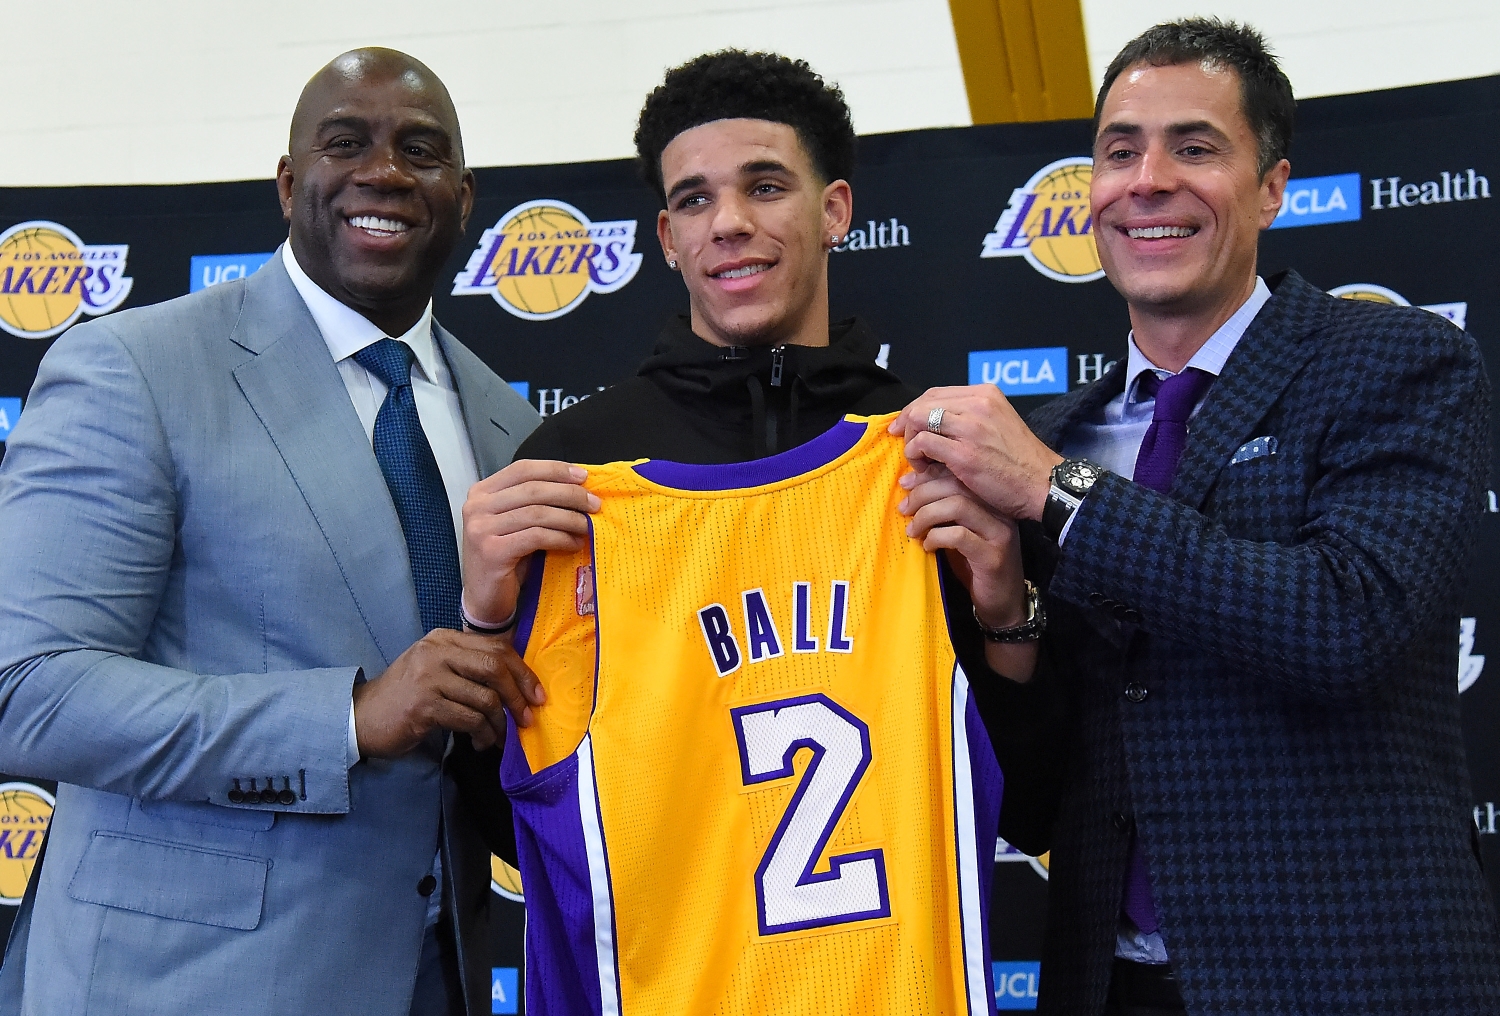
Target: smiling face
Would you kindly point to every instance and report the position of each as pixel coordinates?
(749, 223)
(375, 187)
(1178, 200)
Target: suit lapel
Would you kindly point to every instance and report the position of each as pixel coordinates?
(1271, 353)
(296, 391)
(478, 391)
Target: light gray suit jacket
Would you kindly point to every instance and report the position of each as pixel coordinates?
(200, 557)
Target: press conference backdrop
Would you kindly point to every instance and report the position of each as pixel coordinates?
(972, 258)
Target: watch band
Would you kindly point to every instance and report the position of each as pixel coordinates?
(1057, 510)
(1028, 630)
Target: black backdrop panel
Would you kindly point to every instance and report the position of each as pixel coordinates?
(1417, 222)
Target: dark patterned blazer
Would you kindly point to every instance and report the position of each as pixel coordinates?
(1262, 675)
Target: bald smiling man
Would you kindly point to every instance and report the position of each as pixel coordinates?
(228, 529)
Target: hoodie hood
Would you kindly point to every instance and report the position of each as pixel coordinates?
(779, 396)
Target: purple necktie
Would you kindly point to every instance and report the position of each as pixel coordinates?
(1155, 466)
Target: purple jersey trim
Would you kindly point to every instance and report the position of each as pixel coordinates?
(989, 789)
(562, 969)
(820, 451)
(531, 594)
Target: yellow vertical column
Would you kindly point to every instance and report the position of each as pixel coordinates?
(1023, 59)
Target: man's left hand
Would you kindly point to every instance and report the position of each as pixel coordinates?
(984, 443)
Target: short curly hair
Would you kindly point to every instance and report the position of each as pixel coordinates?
(1265, 92)
(733, 84)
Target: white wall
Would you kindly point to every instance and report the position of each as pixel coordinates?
(164, 91)
(1328, 47)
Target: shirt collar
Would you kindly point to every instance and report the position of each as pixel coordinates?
(346, 331)
(1213, 354)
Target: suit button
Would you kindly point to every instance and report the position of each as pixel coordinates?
(1135, 692)
(1097, 599)
(236, 796)
(286, 797)
(427, 886)
(1131, 615)
(1119, 610)
(268, 796)
(1121, 821)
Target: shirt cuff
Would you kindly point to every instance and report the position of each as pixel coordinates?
(1068, 525)
(352, 751)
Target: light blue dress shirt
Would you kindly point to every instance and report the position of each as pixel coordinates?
(1112, 441)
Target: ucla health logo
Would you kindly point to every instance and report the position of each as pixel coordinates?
(544, 257)
(211, 269)
(1455, 312)
(10, 412)
(49, 277)
(1319, 200)
(1021, 371)
(25, 811)
(505, 990)
(1049, 224)
(1016, 983)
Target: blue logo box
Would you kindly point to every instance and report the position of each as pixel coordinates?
(212, 269)
(1016, 983)
(10, 412)
(523, 388)
(1021, 371)
(1319, 200)
(503, 990)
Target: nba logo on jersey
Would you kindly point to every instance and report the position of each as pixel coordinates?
(583, 590)
(759, 784)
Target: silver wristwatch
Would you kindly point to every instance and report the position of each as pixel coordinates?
(1072, 479)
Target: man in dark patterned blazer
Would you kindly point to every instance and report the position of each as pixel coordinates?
(1251, 537)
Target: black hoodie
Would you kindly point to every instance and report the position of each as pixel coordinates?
(693, 401)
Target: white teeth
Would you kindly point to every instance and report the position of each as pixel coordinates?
(378, 225)
(740, 273)
(1157, 232)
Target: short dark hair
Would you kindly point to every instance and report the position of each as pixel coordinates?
(1265, 92)
(733, 84)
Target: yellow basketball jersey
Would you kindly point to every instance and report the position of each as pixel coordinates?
(759, 785)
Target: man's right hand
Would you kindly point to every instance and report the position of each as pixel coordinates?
(530, 505)
(449, 679)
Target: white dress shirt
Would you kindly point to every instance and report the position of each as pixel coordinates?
(346, 332)
(1113, 441)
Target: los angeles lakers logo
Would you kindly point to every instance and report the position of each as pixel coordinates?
(1005, 852)
(25, 811)
(49, 277)
(1456, 312)
(1049, 224)
(543, 258)
(505, 880)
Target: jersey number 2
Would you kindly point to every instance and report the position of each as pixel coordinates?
(789, 896)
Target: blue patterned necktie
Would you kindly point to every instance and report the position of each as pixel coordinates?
(416, 486)
(1155, 466)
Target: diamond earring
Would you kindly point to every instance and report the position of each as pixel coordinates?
(672, 265)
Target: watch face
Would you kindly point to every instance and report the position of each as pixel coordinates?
(1077, 476)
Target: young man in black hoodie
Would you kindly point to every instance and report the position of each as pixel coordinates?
(750, 155)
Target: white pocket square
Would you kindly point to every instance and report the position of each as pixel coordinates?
(1255, 449)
